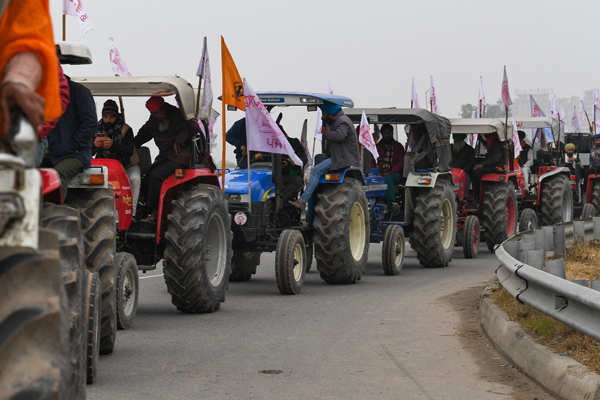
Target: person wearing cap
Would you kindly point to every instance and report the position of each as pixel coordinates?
(494, 162)
(70, 141)
(172, 135)
(114, 139)
(341, 148)
(390, 162)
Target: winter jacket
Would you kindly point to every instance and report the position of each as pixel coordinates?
(73, 134)
(464, 158)
(495, 156)
(397, 157)
(175, 142)
(341, 142)
(122, 147)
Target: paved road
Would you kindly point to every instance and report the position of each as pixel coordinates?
(413, 336)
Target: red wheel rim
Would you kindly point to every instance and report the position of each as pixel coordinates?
(510, 217)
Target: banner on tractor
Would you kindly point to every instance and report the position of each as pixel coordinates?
(366, 138)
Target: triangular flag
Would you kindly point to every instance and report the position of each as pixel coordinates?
(366, 138)
(262, 133)
(233, 86)
(516, 141)
(204, 72)
(506, 100)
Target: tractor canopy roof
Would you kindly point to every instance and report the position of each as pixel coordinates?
(438, 127)
(145, 86)
(302, 99)
(483, 126)
(537, 122)
(73, 53)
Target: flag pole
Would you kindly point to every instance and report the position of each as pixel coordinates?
(121, 104)
(64, 26)
(223, 125)
(587, 117)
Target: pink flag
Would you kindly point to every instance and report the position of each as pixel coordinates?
(329, 89)
(482, 102)
(516, 141)
(75, 8)
(319, 127)
(117, 63)
(366, 138)
(433, 97)
(505, 93)
(415, 97)
(262, 133)
(545, 134)
(596, 112)
(204, 72)
(575, 120)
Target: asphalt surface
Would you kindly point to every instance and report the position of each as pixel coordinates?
(383, 338)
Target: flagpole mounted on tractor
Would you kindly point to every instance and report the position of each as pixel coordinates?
(64, 27)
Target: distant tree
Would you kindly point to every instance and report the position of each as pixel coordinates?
(466, 110)
(492, 110)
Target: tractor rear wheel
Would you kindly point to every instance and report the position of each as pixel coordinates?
(243, 265)
(393, 250)
(99, 223)
(66, 221)
(434, 225)
(198, 249)
(33, 321)
(557, 200)
(471, 235)
(128, 285)
(499, 214)
(341, 224)
(528, 220)
(290, 262)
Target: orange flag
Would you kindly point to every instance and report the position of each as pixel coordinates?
(233, 86)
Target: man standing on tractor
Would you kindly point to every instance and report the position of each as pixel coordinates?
(390, 162)
(70, 141)
(172, 135)
(114, 139)
(341, 147)
(525, 158)
(494, 162)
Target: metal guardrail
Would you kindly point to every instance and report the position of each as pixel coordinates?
(533, 271)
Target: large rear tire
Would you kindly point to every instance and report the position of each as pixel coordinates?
(341, 223)
(290, 262)
(66, 221)
(393, 250)
(99, 223)
(198, 249)
(499, 214)
(243, 265)
(557, 200)
(92, 306)
(33, 324)
(128, 285)
(434, 225)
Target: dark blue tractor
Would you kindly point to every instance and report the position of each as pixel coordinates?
(336, 225)
(426, 197)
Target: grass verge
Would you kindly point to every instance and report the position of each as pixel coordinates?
(583, 261)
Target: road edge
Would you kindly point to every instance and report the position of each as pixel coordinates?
(560, 375)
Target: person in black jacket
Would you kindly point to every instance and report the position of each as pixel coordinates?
(70, 142)
(114, 139)
(494, 162)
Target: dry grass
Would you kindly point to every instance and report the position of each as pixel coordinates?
(545, 330)
(583, 262)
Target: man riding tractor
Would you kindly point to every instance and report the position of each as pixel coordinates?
(426, 197)
(492, 197)
(190, 226)
(336, 217)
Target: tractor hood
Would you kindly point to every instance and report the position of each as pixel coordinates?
(236, 182)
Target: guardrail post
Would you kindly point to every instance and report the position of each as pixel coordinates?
(579, 231)
(539, 240)
(527, 243)
(559, 240)
(548, 238)
(512, 248)
(535, 258)
(596, 227)
(556, 267)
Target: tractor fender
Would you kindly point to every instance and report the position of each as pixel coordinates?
(352, 172)
(82, 180)
(426, 179)
(51, 187)
(118, 179)
(541, 178)
(588, 191)
(171, 185)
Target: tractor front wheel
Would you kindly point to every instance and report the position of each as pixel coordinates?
(499, 215)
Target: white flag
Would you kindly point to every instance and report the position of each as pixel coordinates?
(116, 61)
(415, 97)
(319, 127)
(575, 120)
(472, 138)
(75, 8)
(366, 138)
(596, 112)
(262, 133)
(516, 141)
(204, 72)
(555, 111)
(211, 131)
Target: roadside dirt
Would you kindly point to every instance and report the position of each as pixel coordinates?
(492, 365)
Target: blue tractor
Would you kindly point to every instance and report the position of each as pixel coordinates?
(426, 195)
(336, 224)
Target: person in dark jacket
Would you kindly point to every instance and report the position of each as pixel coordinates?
(114, 140)
(172, 135)
(341, 147)
(493, 162)
(390, 162)
(463, 155)
(70, 141)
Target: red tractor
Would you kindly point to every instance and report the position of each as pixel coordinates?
(192, 232)
(494, 217)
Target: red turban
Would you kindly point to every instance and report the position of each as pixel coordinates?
(155, 103)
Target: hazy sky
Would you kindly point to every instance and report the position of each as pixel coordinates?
(368, 50)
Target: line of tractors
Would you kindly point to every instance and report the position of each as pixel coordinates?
(69, 264)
